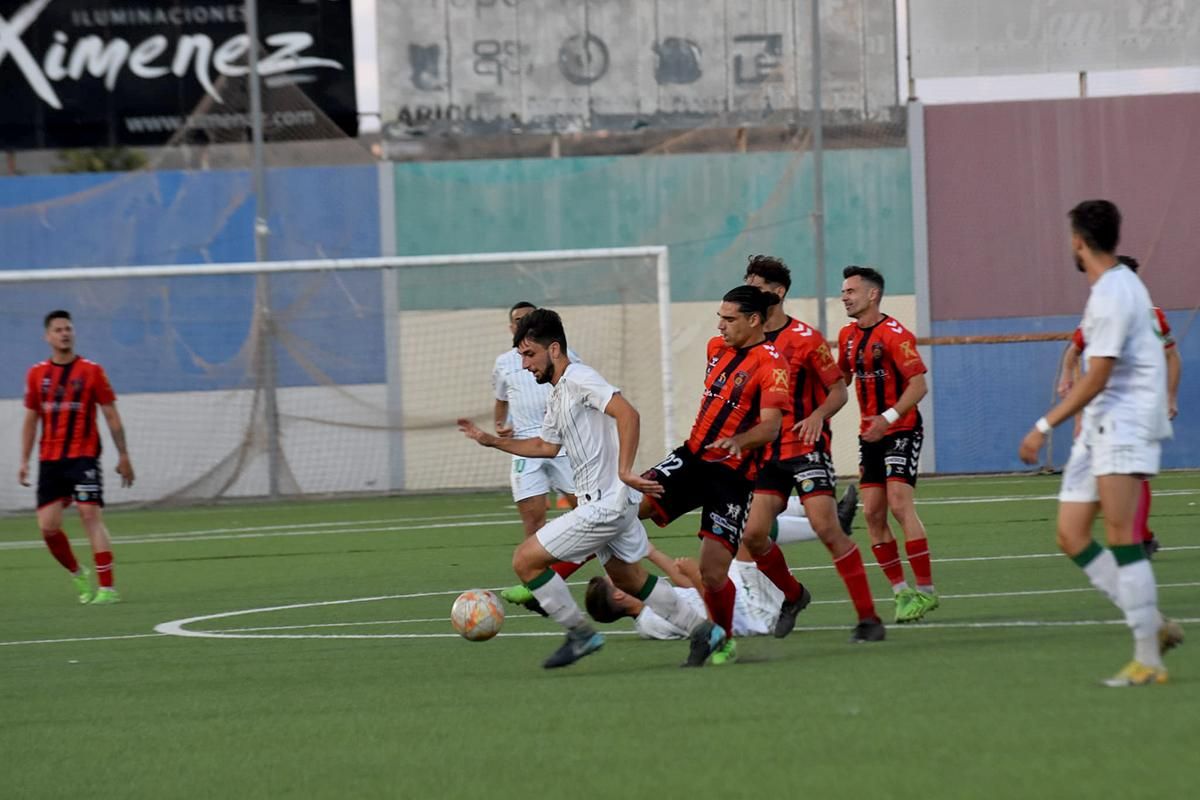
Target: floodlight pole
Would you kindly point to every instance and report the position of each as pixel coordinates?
(266, 328)
(818, 215)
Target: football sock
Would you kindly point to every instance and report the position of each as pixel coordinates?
(1141, 519)
(555, 599)
(720, 605)
(60, 548)
(1100, 567)
(1138, 598)
(887, 555)
(104, 570)
(918, 560)
(794, 529)
(662, 600)
(850, 566)
(774, 566)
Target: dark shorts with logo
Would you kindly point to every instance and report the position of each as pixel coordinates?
(689, 482)
(67, 479)
(810, 475)
(895, 457)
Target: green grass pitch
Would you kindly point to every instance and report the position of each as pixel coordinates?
(995, 696)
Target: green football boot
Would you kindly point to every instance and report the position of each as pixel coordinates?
(106, 597)
(83, 585)
(725, 654)
(928, 601)
(908, 606)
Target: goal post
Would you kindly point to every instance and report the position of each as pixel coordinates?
(329, 376)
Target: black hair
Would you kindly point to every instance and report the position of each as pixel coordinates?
(542, 326)
(599, 603)
(519, 305)
(1098, 223)
(868, 274)
(57, 313)
(1129, 261)
(771, 270)
(752, 300)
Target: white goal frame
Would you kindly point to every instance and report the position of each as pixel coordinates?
(659, 253)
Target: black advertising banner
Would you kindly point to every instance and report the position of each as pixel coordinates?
(94, 73)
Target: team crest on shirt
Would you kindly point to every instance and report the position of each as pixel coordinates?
(740, 377)
(77, 384)
(877, 351)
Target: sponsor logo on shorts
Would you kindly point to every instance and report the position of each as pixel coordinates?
(719, 522)
(896, 461)
(807, 486)
(811, 474)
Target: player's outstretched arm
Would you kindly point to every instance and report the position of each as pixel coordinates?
(629, 431)
(527, 448)
(28, 434)
(1090, 384)
(117, 429)
(670, 568)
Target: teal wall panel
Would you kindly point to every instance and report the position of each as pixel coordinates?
(712, 209)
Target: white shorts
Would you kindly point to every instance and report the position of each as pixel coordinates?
(755, 607)
(597, 528)
(533, 477)
(1097, 455)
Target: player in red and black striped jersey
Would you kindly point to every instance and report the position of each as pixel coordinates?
(801, 460)
(1070, 372)
(879, 355)
(62, 394)
(746, 394)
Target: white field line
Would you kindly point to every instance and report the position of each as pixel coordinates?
(177, 627)
(437, 523)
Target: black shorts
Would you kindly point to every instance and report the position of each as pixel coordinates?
(690, 482)
(67, 479)
(893, 458)
(810, 475)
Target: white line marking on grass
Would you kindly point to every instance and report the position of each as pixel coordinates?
(341, 527)
(83, 639)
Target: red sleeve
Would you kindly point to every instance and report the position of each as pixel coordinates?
(842, 361)
(820, 360)
(903, 347)
(1164, 329)
(31, 394)
(773, 380)
(1077, 339)
(104, 391)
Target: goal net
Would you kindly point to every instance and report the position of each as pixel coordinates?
(330, 376)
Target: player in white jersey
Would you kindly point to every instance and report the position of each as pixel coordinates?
(756, 602)
(599, 430)
(519, 409)
(1123, 398)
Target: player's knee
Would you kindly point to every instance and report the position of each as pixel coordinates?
(89, 513)
(713, 576)
(757, 539)
(876, 516)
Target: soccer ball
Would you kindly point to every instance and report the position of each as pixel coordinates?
(477, 615)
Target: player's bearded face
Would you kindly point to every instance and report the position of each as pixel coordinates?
(536, 359)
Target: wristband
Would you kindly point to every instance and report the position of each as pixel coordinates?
(1043, 425)
(891, 415)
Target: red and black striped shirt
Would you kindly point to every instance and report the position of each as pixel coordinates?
(811, 371)
(881, 360)
(739, 382)
(65, 396)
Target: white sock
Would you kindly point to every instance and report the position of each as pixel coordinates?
(926, 589)
(1102, 572)
(1137, 594)
(664, 602)
(556, 600)
(897, 588)
(794, 529)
